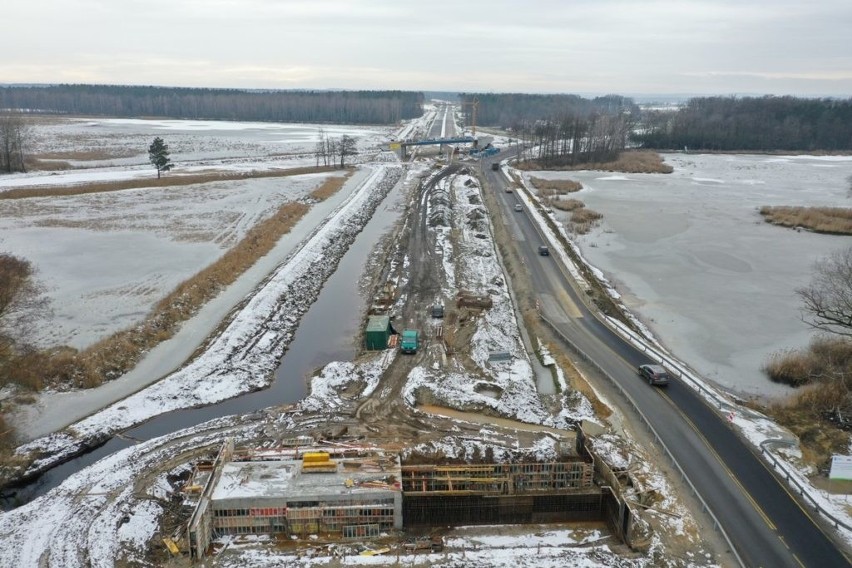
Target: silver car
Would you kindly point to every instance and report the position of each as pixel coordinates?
(656, 375)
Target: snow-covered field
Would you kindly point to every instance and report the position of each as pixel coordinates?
(199, 143)
(244, 355)
(104, 259)
(494, 547)
(76, 523)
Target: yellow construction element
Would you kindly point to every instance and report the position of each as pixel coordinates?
(315, 457)
(318, 462)
(170, 544)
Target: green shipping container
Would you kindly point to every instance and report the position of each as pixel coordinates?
(377, 332)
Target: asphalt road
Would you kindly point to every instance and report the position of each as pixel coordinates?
(767, 526)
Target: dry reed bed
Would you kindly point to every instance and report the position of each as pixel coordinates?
(167, 181)
(584, 220)
(116, 354)
(549, 187)
(567, 204)
(829, 220)
(88, 155)
(824, 372)
(630, 161)
(34, 164)
(826, 356)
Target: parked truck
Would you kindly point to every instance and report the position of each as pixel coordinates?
(409, 341)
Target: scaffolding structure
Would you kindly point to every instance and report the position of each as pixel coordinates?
(303, 491)
(347, 491)
(496, 479)
(500, 493)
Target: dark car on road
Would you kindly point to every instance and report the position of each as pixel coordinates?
(656, 375)
(543, 250)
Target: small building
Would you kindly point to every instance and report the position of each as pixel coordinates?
(378, 333)
(350, 494)
(340, 491)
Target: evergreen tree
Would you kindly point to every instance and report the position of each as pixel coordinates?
(158, 153)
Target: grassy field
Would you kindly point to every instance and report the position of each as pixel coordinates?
(829, 220)
(166, 181)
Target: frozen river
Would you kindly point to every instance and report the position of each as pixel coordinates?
(695, 261)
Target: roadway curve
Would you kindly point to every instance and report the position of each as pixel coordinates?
(768, 527)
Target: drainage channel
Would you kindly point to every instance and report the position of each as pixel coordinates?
(326, 333)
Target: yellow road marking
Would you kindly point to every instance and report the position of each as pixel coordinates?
(751, 500)
(783, 486)
(568, 304)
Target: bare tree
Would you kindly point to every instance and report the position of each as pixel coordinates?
(14, 135)
(321, 151)
(828, 298)
(331, 148)
(346, 147)
(21, 304)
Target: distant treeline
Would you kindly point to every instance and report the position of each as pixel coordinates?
(338, 107)
(510, 110)
(752, 123)
(560, 130)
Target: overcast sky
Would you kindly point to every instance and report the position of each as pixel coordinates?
(799, 47)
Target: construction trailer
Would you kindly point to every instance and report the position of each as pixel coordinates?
(377, 333)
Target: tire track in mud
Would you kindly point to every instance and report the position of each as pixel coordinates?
(386, 407)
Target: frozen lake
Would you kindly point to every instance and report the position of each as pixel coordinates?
(696, 262)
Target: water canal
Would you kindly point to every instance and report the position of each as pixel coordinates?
(328, 332)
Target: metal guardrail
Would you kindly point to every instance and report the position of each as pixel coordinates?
(801, 489)
(778, 464)
(673, 364)
(704, 506)
(683, 373)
